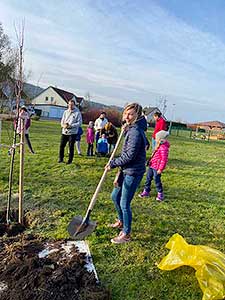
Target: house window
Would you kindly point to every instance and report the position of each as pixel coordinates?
(46, 98)
(52, 99)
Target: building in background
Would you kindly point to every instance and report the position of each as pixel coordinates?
(52, 102)
(209, 125)
(149, 112)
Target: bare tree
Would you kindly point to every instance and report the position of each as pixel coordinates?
(87, 97)
(161, 103)
(19, 70)
(18, 91)
(86, 102)
(164, 106)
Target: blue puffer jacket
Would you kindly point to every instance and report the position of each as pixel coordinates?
(133, 156)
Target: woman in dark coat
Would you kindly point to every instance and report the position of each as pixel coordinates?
(132, 164)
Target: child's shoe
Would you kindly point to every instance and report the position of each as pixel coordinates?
(144, 194)
(121, 238)
(160, 197)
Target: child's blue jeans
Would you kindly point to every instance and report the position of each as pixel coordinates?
(152, 173)
(122, 197)
(153, 144)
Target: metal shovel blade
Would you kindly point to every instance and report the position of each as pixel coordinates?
(78, 232)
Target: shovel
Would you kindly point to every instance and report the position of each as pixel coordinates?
(80, 227)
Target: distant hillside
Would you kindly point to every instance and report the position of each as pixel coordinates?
(33, 90)
(99, 105)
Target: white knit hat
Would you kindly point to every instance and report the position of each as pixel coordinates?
(161, 135)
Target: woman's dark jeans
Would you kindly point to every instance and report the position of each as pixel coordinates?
(122, 197)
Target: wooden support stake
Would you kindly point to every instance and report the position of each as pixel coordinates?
(21, 175)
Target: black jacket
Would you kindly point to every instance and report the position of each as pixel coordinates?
(111, 134)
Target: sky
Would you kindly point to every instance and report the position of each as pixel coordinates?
(122, 51)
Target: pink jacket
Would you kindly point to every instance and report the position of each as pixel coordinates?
(90, 135)
(160, 157)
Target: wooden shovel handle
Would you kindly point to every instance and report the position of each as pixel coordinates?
(94, 197)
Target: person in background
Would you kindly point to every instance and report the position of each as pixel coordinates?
(90, 137)
(99, 125)
(77, 140)
(70, 123)
(23, 114)
(131, 162)
(102, 146)
(157, 163)
(160, 124)
(111, 134)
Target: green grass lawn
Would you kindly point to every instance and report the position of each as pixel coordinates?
(194, 207)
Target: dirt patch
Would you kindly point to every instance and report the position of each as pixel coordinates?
(14, 228)
(58, 276)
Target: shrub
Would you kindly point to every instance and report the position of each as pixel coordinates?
(36, 118)
(112, 115)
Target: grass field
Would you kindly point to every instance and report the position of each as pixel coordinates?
(194, 207)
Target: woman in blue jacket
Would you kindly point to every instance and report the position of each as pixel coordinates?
(132, 168)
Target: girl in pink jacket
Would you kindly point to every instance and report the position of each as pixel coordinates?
(23, 114)
(90, 137)
(157, 163)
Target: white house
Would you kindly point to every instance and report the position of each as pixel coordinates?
(53, 102)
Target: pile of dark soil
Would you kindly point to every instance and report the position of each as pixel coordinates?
(14, 227)
(58, 276)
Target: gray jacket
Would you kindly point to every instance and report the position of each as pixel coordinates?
(73, 119)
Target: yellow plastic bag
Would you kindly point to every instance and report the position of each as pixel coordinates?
(208, 263)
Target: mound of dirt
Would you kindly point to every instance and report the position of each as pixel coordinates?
(14, 228)
(57, 276)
